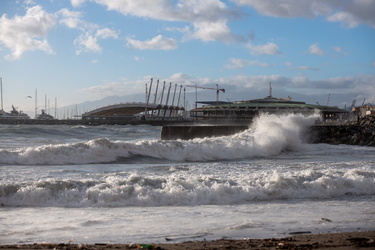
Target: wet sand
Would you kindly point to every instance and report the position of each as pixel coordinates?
(347, 240)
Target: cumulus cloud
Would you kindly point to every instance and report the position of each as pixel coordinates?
(29, 32)
(77, 3)
(88, 40)
(157, 43)
(106, 33)
(212, 31)
(349, 12)
(71, 19)
(87, 43)
(264, 49)
(208, 19)
(348, 86)
(345, 17)
(315, 50)
(236, 63)
(26, 33)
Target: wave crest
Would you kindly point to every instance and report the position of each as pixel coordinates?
(268, 135)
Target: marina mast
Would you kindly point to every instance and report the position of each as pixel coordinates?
(1, 87)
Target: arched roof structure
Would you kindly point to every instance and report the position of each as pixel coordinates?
(128, 109)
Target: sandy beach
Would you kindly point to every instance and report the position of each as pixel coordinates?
(346, 240)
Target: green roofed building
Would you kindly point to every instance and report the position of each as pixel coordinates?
(247, 110)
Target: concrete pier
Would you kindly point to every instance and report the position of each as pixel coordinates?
(331, 134)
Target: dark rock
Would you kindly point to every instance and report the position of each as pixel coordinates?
(362, 133)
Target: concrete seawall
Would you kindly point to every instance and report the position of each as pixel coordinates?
(331, 134)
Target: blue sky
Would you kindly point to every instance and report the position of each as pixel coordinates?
(86, 50)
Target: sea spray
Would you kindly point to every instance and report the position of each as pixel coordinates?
(123, 195)
(269, 135)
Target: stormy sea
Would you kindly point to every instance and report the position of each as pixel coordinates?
(123, 184)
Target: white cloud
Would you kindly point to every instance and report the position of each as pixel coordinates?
(340, 50)
(87, 43)
(106, 33)
(264, 49)
(208, 18)
(71, 19)
(345, 17)
(315, 50)
(350, 12)
(236, 63)
(74, 20)
(29, 2)
(77, 3)
(213, 31)
(304, 68)
(290, 66)
(26, 33)
(88, 40)
(347, 86)
(157, 43)
(373, 64)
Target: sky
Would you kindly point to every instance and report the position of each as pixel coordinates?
(88, 53)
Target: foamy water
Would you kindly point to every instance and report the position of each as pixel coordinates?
(122, 184)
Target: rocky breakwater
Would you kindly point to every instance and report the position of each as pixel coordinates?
(361, 133)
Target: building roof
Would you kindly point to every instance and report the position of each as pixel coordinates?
(272, 103)
(127, 109)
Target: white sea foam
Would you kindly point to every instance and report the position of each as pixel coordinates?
(269, 135)
(193, 187)
(54, 187)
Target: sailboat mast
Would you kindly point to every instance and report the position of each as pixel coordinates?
(36, 103)
(1, 87)
(56, 107)
(270, 94)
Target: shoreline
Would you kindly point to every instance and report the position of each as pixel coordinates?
(340, 240)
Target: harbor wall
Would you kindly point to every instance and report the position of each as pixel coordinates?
(361, 133)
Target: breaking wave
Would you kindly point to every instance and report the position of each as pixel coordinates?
(269, 135)
(183, 188)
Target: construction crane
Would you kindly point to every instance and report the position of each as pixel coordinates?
(217, 92)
